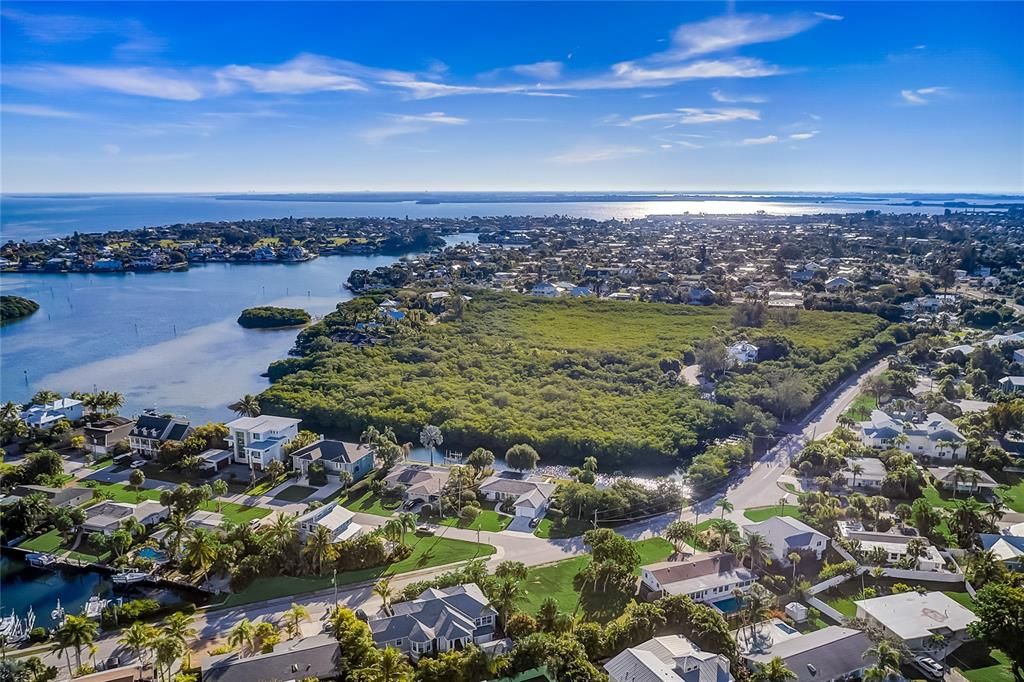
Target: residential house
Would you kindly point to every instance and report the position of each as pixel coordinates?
(1018, 355)
(933, 623)
(436, 621)
(787, 535)
(701, 295)
(672, 658)
(151, 431)
(1008, 548)
(422, 483)
(213, 460)
(335, 518)
(107, 517)
(101, 436)
(308, 658)
(837, 283)
(742, 352)
(546, 289)
(58, 497)
(46, 415)
(257, 441)
(894, 544)
(708, 578)
(832, 654)
(1011, 384)
(963, 479)
(336, 456)
(872, 473)
(933, 436)
(532, 495)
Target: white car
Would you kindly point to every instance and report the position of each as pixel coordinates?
(138, 464)
(929, 666)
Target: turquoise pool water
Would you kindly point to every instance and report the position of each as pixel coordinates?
(727, 605)
(157, 555)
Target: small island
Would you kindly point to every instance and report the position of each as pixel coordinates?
(16, 307)
(272, 317)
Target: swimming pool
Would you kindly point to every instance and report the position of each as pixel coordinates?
(157, 555)
(788, 629)
(727, 605)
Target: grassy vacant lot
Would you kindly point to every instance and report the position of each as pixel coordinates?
(52, 543)
(295, 493)
(428, 551)
(572, 377)
(1013, 495)
(366, 501)
(860, 409)
(571, 528)
(236, 513)
(556, 580)
(758, 514)
(489, 521)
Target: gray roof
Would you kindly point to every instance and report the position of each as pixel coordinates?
(821, 655)
(57, 496)
(699, 573)
(873, 467)
(448, 613)
(316, 656)
(333, 451)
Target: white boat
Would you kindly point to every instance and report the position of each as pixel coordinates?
(8, 623)
(42, 560)
(94, 607)
(57, 615)
(129, 577)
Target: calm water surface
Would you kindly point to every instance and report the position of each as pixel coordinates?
(35, 217)
(165, 339)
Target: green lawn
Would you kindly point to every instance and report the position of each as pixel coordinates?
(556, 580)
(942, 499)
(489, 521)
(758, 514)
(842, 604)
(860, 409)
(980, 664)
(570, 528)
(266, 485)
(366, 501)
(429, 551)
(48, 543)
(236, 513)
(1013, 495)
(295, 493)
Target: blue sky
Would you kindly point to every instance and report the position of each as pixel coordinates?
(198, 96)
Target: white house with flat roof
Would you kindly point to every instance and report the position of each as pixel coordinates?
(933, 622)
(257, 441)
(894, 544)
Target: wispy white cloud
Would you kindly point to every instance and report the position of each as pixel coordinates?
(68, 28)
(767, 139)
(736, 30)
(804, 136)
(584, 154)
(304, 74)
(724, 98)
(691, 116)
(141, 81)
(37, 110)
(406, 124)
(923, 95)
(829, 17)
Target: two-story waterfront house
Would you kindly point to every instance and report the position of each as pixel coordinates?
(257, 441)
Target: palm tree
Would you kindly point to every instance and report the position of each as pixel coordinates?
(994, 511)
(959, 473)
(726, 530)
(77, 632)
(139, 637)
(390, 665)
(917, 548)
(508, 593)
(986, 567)
(590, 464)
(431, 438)
(774, 670)
(965, 520)
(294, 617)
(220, 489)
(242, 636)
(282, 531)
(319, 548)
(246, 406)
(407, 521)
(856, 469)
(757, 548)
(167, 651)
(178, 627)
(177, 528)
(9, 411)
(725, 505)
(794, 560)
(201, 551)
(382, 589)
(887, 660)
(678, 532)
